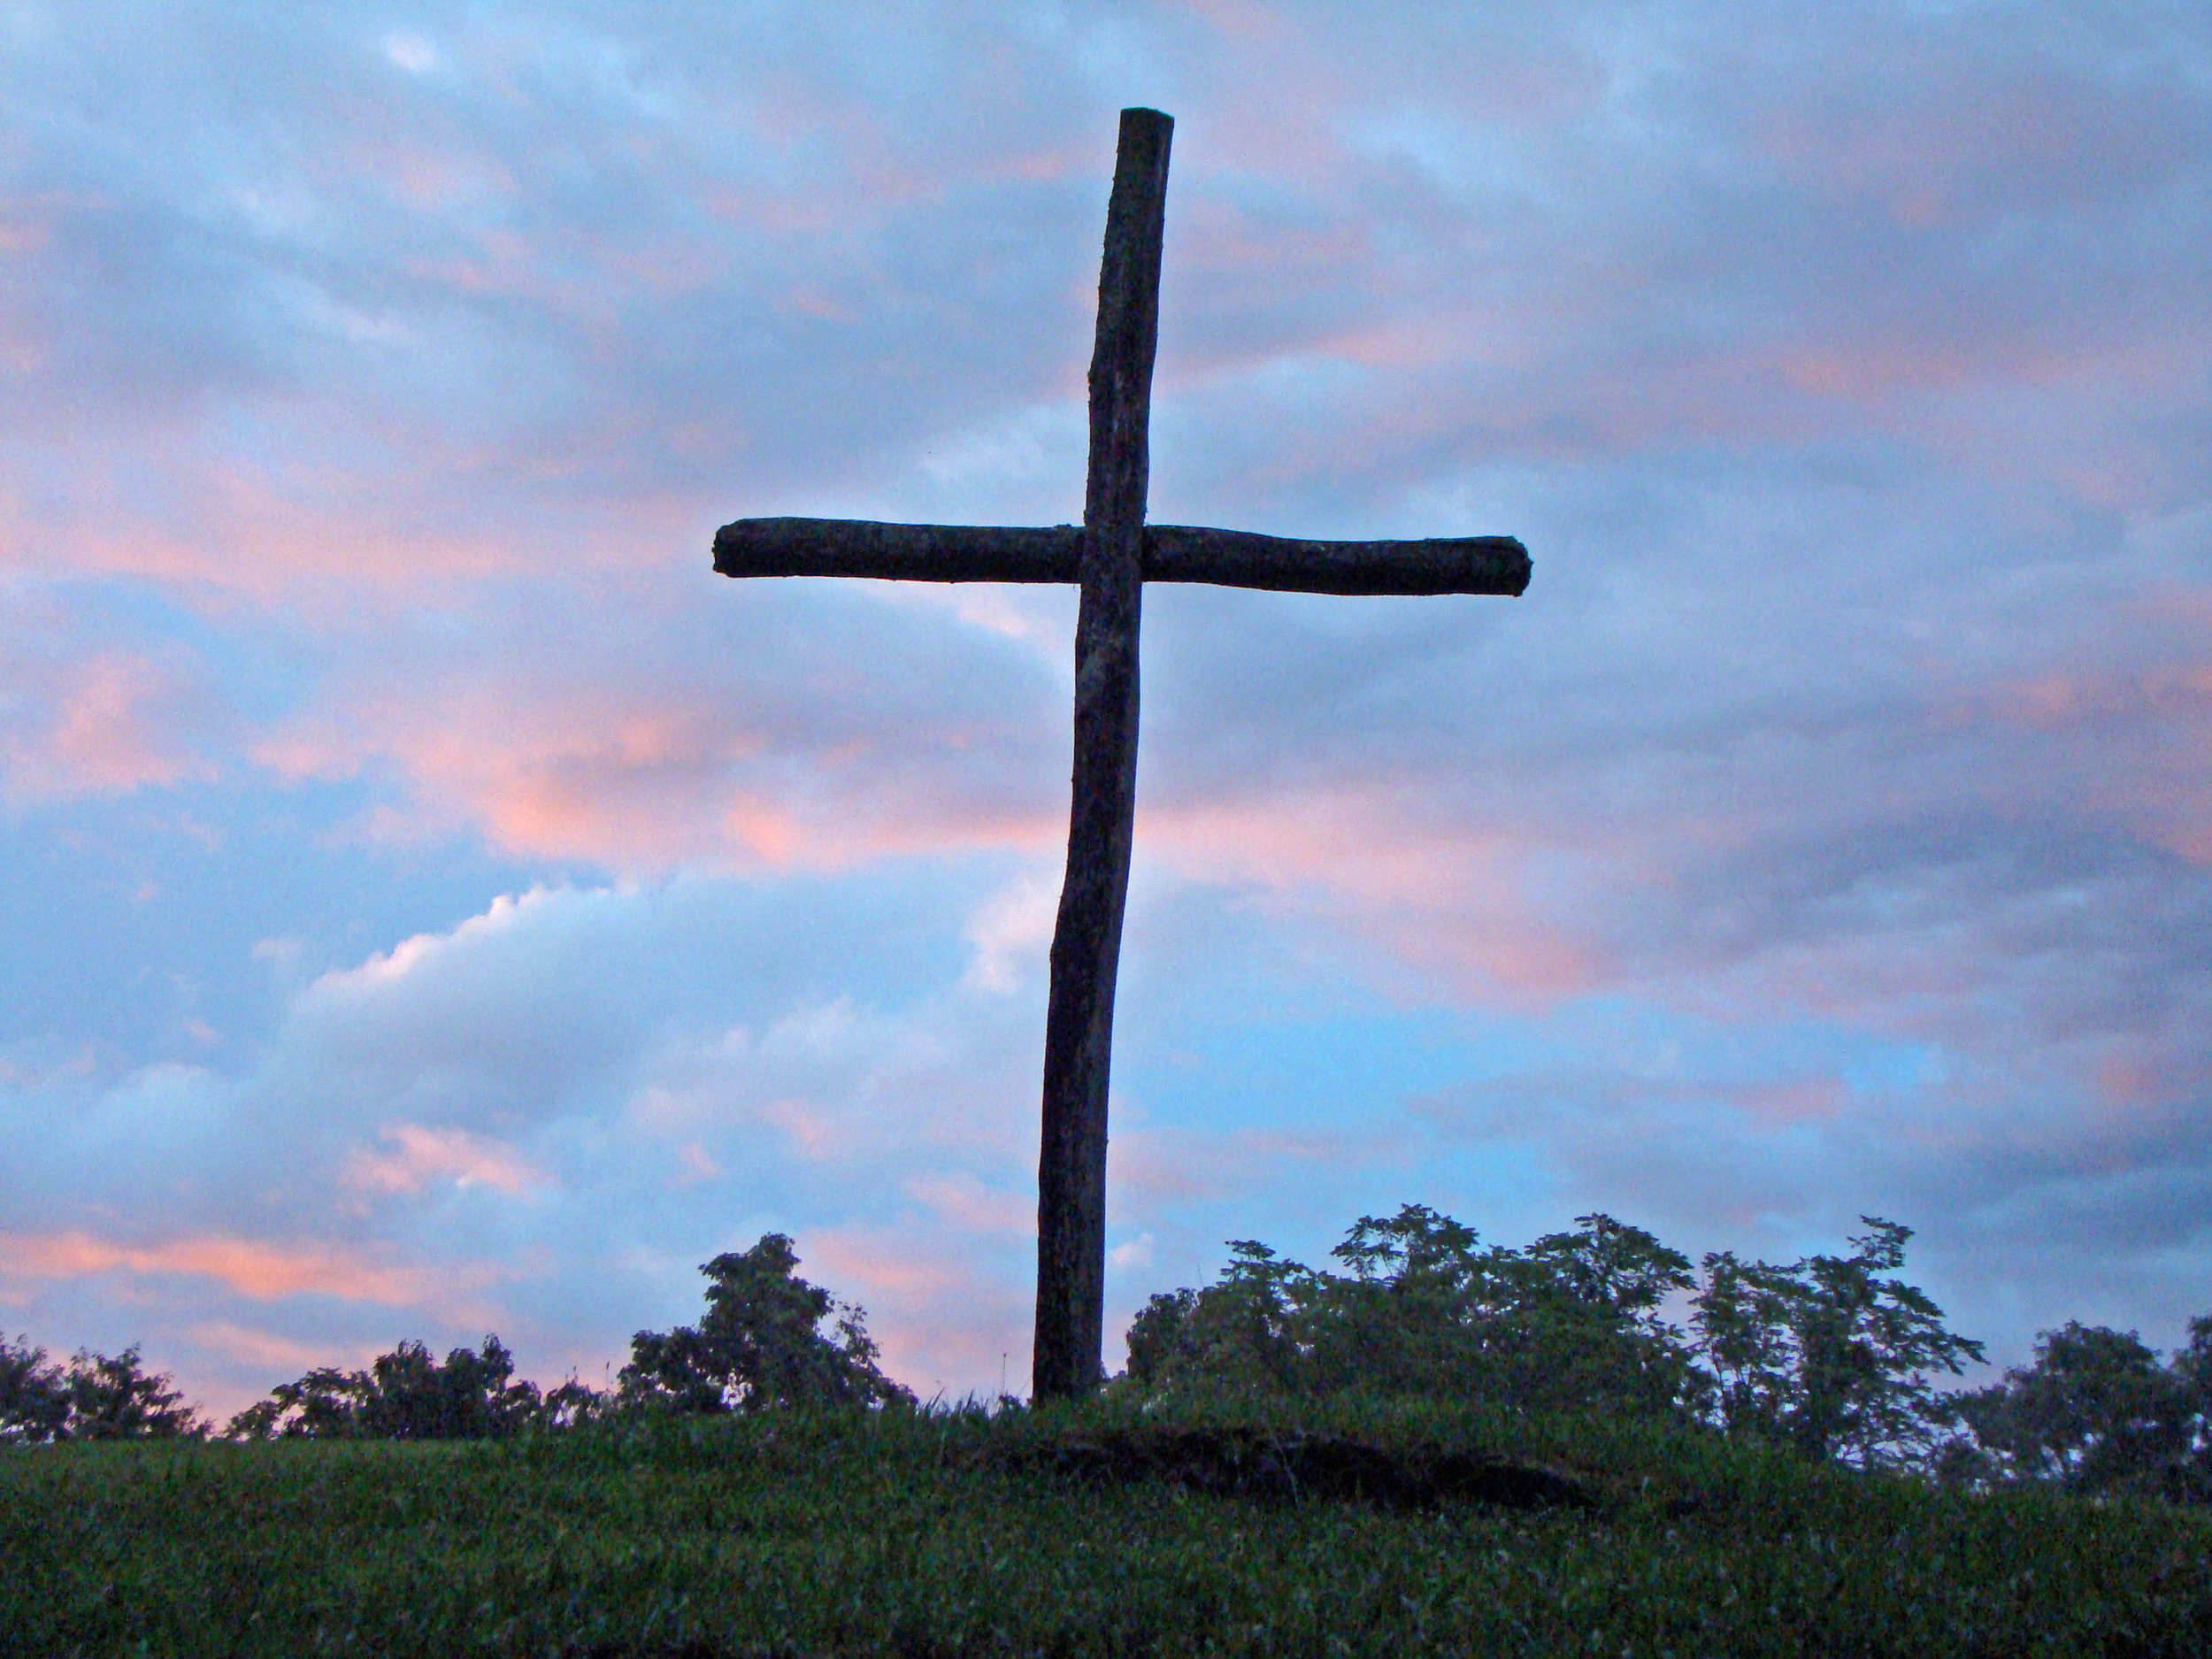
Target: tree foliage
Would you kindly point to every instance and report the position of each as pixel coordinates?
(2096, 1412)
(408, 1395)
(33, 1395)
(1424, 1308)
(1827, 1355)
(1832, 1355)
(95, 1397)
(760, 1345)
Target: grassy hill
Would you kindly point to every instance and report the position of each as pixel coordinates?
(1359, 1530)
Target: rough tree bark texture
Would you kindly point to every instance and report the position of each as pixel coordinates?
(1238, 558)
(1087, 941)
(1173, 553)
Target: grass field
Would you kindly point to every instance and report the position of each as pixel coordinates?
(1076, 1532)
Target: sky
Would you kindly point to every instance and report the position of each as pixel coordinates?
(432, 903)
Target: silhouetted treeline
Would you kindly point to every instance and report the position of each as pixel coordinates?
(2096, 1412)
(1835, 1357)
(1831, 1355)
(760, 1345)
(408, 1396)
(93, 1397)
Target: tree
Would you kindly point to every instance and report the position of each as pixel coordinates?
(2192, 1366)
(96, 1398)
(409, 1395)
(2096, 1412)
(1246, 1334)
(33, 1395)
(325, 1404)
(470, 1396)
(760, 1345)
(1742, 1317)
(1593, 1302)
(113, 1400)
(1569, 1320)
(1831, 1355)
(1424, 1310)
(1417, 1315)
(1826, 1355)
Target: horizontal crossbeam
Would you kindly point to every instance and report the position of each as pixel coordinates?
(1173, 553)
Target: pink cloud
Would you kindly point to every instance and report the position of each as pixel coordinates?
(2147, 1084)
(2133, 744)
(246, 1346)
(812, 1132)
(350, 526)
(229, 546)
(1465, 904)
(102, 740)
(698, 1166)
(253, 1268)
(641, 780)
(1871, 369)
(27, 221)
(1798, 1101)
(1937, 119)
(430, 180)
(878, 1260)
(962, 1201)
(1161, 1166)
(1247, 24)
(421, 1156)
(933, 1301)
(108, 724)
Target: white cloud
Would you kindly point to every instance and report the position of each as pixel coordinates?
(411, 53)
(1011, 934)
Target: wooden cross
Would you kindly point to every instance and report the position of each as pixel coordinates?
(1113, 556)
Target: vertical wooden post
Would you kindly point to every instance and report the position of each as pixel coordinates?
(1087, 942)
